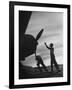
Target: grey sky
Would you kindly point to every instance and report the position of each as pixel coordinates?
(52, 23)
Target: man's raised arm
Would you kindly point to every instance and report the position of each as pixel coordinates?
(47, 46)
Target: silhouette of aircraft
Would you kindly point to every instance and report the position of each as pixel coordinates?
(28, 45)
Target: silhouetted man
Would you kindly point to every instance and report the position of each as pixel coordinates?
(53, 60)
(40, 62)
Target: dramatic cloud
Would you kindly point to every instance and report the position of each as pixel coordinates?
(52, 23)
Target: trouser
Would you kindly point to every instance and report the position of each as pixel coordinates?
(38, 64)
(53, 61)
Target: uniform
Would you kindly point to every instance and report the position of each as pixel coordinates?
(53, 60)
(40, 62)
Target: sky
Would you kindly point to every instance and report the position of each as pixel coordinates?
(52, 23)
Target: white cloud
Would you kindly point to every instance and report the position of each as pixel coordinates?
(53, 29)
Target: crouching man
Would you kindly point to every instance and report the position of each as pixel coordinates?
(40, 62)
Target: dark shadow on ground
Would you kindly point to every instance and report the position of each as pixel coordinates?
(26, 72)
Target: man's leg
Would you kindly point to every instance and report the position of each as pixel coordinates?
(51, 65)
(56, 65)
(44, 66)
(38, 64)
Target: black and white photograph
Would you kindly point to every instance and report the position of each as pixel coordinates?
(39, 44)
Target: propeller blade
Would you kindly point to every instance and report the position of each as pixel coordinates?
(39, 34)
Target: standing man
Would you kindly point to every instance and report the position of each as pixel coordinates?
(53, 60)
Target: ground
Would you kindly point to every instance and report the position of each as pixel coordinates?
(30, 72)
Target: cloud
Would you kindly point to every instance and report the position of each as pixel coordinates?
(52, 23)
